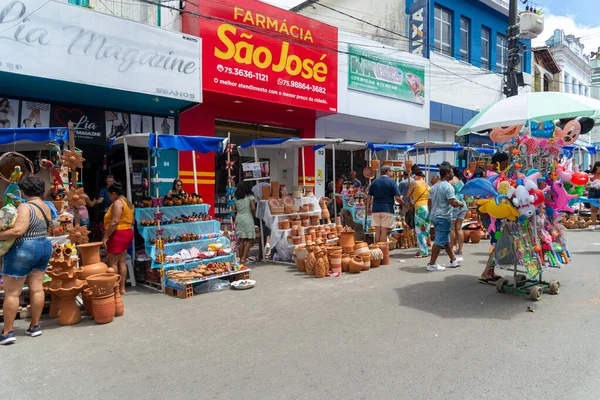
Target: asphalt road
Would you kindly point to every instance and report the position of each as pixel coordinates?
(396, 332)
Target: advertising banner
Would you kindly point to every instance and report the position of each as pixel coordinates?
(259, 51)
(60, 41)
(418, 28)
(89, 122)
(385, 76)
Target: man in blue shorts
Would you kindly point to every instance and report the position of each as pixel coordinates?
(441, 201)
(384, 192)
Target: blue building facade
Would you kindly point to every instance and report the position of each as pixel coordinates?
(471, 31)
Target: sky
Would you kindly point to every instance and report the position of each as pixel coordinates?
(577, 17)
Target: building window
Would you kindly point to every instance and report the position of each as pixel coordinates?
(573, 86)
(567, 83)
(501, 50)
(442, 35)
(587, 93)
(485, 48)
(465, 43)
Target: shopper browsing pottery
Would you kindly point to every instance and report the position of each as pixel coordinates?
(245, 206)
(27, 259)
(118, 234)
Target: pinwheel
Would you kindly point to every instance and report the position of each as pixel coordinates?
(230, 191)
(160, 231)
(230, 203)
(230, 179)
(229, 164)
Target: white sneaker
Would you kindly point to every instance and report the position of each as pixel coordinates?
(456, 262)
(435, 267)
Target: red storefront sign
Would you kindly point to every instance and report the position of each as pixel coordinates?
(255, 50)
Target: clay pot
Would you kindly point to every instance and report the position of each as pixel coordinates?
(334, 249)
(338, 222)
(355, 265)
(294, 231)
(347, 239)
(102, 285)
(335, 260)
(90, 254)
(466, 235)
(296, 223)
(300, 263)
(345, 262)
(348, 250)
(87, 301)
(301, 252)
(475, 236)
(375, 263)
(339, 229)
(54, 311)
(297, 240)
(361, 248)
(366, 261)
(385, 248)
(69, 313)
(284, 225)
(103, 309)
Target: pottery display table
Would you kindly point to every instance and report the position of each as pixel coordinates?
(278, 239)
(207, 232)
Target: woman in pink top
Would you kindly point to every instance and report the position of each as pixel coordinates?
(84, 215)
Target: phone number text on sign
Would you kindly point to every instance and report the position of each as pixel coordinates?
(243, 73)
(301, 85)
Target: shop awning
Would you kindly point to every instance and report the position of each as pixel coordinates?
(29, 139)
(479, 150)
(346, 145)
(390, 146)
(248, 149)
(201, 144)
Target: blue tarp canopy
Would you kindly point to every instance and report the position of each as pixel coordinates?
(201, 144)
(585, 149)
(481, 150)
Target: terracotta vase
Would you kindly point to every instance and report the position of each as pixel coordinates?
(366, 261)
(69, 310)
(355, 265)
(345, 262)
(375, 263)
(119, 306)
(102, 285)
(321, 267)
(90, 255)
(87, 301)
(103, 309)
(311, 261)
(385, 248)
(301, 264)
(466, 235)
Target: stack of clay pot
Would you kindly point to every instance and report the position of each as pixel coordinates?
(376, 255)
(385, 249)
(64, 286)
(102, 298)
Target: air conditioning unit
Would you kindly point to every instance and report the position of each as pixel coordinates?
(531, 25)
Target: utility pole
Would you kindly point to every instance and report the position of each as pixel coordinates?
(511, 88)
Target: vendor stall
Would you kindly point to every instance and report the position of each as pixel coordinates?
(538, 185)
(282, 210)
(181, 239)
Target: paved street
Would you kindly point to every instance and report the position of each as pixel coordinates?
(396, 332)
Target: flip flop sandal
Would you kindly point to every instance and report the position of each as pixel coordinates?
(419, 255)
(488, 281)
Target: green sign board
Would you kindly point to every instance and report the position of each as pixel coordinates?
(384, 76)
